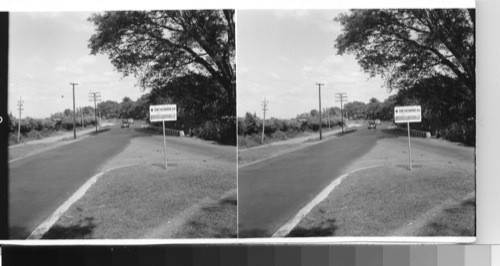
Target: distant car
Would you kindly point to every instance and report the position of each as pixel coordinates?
(130, 120)
(125, 123)
(377, 121)
(372, 124)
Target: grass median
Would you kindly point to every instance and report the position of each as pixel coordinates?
(436, 198)
(194, 197)
(133, 201)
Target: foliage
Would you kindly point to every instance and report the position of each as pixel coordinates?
(199, 100)
(284, 128)
(373, 109)
(447, 110)
(407, 45)
(109, 109)
(186, 57)
(428, 56)
(156, 46)
(355, 110)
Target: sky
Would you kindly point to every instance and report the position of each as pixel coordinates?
(283, 54)
(48, 51)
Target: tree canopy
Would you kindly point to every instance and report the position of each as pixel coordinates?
(156, 46)
(407, 45)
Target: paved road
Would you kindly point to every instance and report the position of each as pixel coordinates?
(39, 184)
(273, 191)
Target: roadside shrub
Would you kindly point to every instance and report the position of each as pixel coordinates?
(279, 135)
(242, 126)
(460, 133)
(249, 141)
(227, 132)
(13, 138)
(34, 134)
(222, 131)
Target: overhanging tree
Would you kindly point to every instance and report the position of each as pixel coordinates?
(407, 45)
(156, 46)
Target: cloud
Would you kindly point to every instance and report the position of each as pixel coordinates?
(274, 75)
(75, 66)
(320, 19)
(44, 15)
(284, 59)
(86, 60)
(300, 14)
(307, 69)
(242, 69)
(61, 69)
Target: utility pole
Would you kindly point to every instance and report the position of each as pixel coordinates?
(264, 108)
(95, 96)
(328, 117)
(20, 108)
(74, 113)
(320, 122)
(341, 97)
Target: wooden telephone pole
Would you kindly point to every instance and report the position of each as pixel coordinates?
(320, 121)
(264, 109)
(96, 97)
(74, 112)
(20, 108)
(341, 97)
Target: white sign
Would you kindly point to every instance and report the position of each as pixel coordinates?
(405, 114)
(166, 112)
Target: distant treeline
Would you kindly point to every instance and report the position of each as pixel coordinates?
(203, 110)
(448, 109)
(36, 128)
(250, 126)
(447, 112)
(203, 107)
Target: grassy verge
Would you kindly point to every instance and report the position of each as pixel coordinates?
(26, 150)
(250, 141)
(455, 220)
(194, 198)
(131, 201)
(249, 156)
(389, 200)
(216, 219)
(379, 201)
(246, 156)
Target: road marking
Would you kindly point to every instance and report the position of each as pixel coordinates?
(42, 228)
(286, 228)
(51, 220)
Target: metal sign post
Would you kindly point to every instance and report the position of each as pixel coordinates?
(167, 112)
(407, 114)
